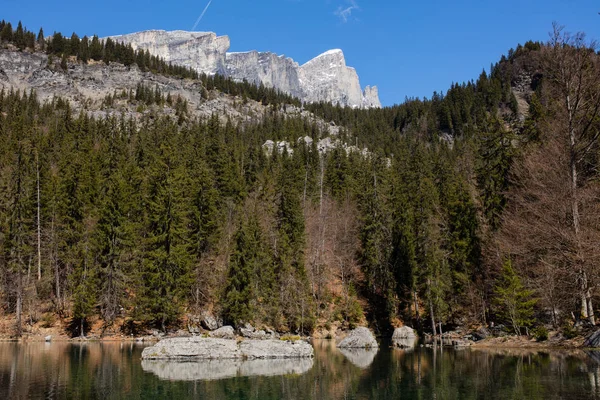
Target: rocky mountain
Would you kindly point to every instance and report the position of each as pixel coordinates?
(324, 78)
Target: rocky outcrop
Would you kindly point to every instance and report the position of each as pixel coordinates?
(248, 331)
(209, 370)
(359, 338)
(324, 78)
(199, 348)
(209, 321)
(404, 337)
(224, 332)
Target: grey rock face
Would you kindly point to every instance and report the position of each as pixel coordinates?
(192, 348)
(404, 332)
(225, 332)
(209, 370)
(324, 78)
(197, 348)
(267, 68)
(404, 337)
(261, 349)
(359, 338)
(203, 51)
(362, 358)
(210, 322)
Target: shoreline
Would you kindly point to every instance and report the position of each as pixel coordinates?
(491, 343)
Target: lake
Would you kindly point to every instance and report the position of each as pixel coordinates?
(115, 371)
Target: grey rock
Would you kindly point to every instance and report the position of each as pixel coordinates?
(198, 348)
(480, 334)
(224, 332)
(252, 349)
(210, 322)
(208, 370)
(359, 338)
(362, 358)
(404, 332)
(324, 78)
(192, 348)
(48, 338)
(202, 51)
(404, 337)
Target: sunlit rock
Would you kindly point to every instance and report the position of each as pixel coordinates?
(359, 338)
(200, 348)
(404, 337)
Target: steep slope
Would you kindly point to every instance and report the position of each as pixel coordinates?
(325, 78)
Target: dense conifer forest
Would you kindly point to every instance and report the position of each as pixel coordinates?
(477, 205)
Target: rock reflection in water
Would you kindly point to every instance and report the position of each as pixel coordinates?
(405, 343)
(212, 370)
(362, 358)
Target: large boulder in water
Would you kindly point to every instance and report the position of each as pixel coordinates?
(404, 337)
(199, 348)
(359, 338)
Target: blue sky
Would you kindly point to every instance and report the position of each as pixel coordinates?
(405, 48)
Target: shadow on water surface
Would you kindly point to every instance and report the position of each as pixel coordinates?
(116, 371)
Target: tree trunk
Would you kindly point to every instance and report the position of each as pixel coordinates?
(19, 305)
(586, 301)
(417, 314)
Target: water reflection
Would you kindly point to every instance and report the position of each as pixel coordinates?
(405, 343)
(115, 371)
(210, 370)
(362, 358)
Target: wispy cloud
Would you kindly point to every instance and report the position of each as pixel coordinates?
(201, 15)
(344, 13)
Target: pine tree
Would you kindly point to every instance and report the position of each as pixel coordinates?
(294, 299)
(41, 41)
(514, 302)
(167, 262)
(248, 257)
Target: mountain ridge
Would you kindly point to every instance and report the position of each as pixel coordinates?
(314, 81)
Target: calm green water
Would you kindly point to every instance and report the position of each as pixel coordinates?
(115, 371)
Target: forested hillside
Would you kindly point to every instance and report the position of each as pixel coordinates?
(477, 205)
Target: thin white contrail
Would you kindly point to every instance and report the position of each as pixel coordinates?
(201, 15)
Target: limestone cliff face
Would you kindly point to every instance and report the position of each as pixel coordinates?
(325, 78)
(270, 69)
(203, 51)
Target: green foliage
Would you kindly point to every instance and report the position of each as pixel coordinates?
(514, 302)
(540, 333)
(249, 258)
